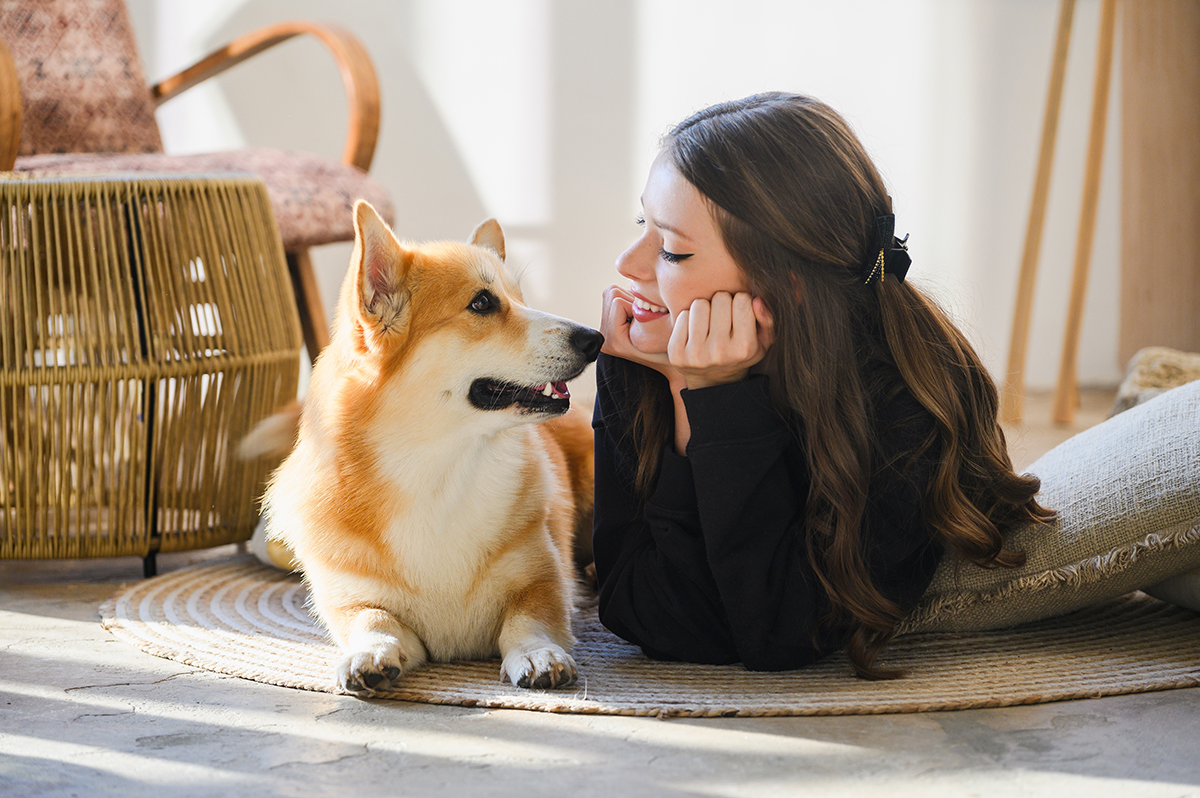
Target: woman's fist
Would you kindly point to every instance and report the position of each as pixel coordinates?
(717, 340)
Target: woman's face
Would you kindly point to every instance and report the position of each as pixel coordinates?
(679, 257)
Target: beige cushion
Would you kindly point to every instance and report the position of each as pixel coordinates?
(1128, 496)
(313, 197)
(1152, 371)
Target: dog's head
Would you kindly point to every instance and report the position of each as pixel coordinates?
(449, 317)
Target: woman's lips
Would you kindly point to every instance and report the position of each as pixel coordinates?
(645, 311)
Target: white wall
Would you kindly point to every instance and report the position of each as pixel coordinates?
(546, 114)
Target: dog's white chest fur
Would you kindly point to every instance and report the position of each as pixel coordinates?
(452, 567)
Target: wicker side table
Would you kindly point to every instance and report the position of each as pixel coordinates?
(146, 322)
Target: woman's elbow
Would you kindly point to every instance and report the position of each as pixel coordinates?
(666, 638)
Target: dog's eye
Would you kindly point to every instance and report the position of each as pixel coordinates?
(484, 302)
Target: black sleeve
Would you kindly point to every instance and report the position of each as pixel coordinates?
(708, 569)
(656, 589)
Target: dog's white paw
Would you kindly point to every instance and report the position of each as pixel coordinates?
(374, 669)
(545, 667)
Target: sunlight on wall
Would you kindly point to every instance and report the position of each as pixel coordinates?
(496, 106)
(199, 120)
(487, 66)
(547, 115)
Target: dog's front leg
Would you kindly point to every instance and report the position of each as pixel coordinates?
(533, 642)
(378, 648)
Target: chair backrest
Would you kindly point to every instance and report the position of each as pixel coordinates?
(83, 88)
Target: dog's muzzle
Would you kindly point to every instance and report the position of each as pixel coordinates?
(551, 397)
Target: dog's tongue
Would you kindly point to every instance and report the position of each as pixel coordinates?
(556, 389)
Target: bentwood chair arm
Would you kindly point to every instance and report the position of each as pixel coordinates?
(358, 77)
(10, 110)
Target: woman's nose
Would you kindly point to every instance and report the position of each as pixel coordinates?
(632, 263)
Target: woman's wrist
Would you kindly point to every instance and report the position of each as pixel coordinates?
(683, 428)
(737, 411)
(694, 381)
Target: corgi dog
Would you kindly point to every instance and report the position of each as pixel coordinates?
(439, 474)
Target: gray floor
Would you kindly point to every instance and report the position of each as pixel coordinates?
(84, 714)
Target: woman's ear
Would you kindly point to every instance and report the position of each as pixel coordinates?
(765, 322)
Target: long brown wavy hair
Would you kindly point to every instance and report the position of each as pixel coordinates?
(796, 197)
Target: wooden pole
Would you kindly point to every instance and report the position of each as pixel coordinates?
(10, 110)
(1013, 397)
(1160, 173)
(1066, 395)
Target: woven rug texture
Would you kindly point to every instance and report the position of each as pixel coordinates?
(249, 620)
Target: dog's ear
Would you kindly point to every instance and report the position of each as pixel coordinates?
(381, 264)
(488, 234)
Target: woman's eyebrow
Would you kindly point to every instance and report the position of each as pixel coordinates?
(670, 229)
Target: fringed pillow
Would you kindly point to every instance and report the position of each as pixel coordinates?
(1127, 492)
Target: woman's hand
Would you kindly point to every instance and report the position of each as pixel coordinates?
(717, 341)
(713, 342)
(615, 320)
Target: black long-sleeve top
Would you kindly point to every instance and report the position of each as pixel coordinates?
(714, 567)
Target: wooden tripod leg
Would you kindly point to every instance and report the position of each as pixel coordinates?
(308, 302)
(1012, 398)
(1066, 395)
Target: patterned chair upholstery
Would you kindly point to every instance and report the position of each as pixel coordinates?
(85, 106)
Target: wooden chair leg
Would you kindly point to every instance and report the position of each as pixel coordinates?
(10, 110)
(308, 300)
(1012, 398)
(1066, 395)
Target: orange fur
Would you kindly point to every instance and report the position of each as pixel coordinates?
(571, 439)
(430, 518)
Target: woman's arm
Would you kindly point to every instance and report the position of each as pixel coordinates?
(710, 569)
(656, 588)
(714, 567)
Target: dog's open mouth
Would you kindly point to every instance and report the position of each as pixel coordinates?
(549, 397)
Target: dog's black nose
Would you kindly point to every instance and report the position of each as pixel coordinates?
(587, 341)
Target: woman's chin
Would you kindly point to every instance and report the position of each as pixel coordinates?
(648, 341)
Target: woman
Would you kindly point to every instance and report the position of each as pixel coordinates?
(788, 435)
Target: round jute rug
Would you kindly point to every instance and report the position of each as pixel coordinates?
(246, 619)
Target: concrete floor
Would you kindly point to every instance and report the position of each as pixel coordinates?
(84, 714)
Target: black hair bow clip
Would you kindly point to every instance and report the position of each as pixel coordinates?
(889, 255)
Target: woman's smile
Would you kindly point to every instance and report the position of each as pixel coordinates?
(645, 311)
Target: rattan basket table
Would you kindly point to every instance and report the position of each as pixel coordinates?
(146, 322)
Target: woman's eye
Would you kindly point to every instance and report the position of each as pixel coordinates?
(672, 257)
(641, 220)
(483, 302)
